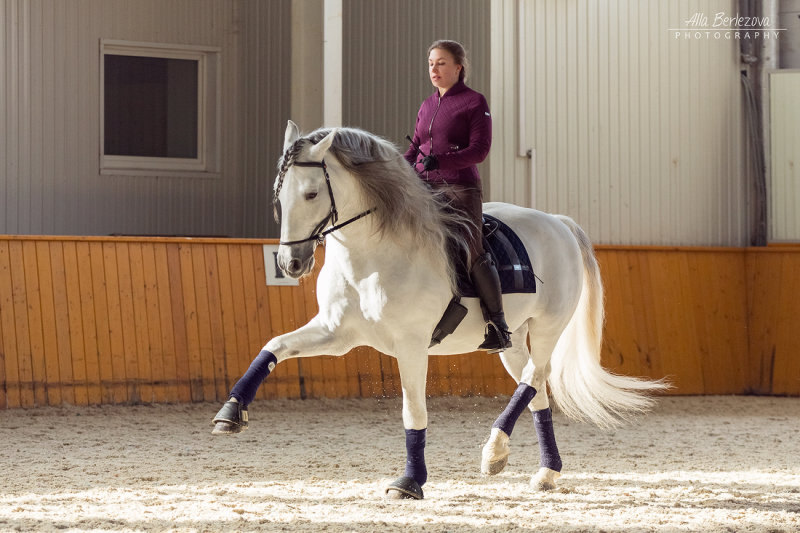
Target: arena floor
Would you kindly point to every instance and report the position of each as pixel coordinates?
(693, 464)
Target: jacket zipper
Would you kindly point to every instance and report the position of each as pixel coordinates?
(430, 130)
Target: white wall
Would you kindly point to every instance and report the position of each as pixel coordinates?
(784, 182)
(50, 181)
(386, 62)
(636, 134)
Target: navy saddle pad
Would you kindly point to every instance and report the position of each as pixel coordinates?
(510, 257)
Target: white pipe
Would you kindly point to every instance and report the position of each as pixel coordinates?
(523, 146)
(769, 62)
(522, 134)
(333, 64)
(770, 55)
(533, 177)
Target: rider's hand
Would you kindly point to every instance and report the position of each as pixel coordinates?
(430, 162)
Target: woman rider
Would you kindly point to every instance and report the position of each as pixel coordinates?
(452, 135)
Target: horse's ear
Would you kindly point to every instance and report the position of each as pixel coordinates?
(291, 135)
(319, 150)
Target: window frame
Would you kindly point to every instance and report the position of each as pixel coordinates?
(208, 79)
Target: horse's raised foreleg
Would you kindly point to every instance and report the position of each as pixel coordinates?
(413, 368)
(309, 340)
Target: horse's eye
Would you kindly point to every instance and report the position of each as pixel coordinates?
(311, 195)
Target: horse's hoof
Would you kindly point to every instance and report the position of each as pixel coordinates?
(545, 479)
(495, 467)
(404, 488)
(232, 418)
(494, 457)
(226, 428)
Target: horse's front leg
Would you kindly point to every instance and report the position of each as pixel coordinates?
(413, 366)
(312, 339)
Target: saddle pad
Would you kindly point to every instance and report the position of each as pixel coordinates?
(510, 257)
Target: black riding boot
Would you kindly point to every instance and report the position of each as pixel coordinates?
(487, 284)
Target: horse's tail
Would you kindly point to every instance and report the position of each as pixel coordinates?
(581, 388)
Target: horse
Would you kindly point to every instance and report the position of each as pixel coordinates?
(389, 275)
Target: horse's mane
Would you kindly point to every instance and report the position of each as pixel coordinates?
(404, 204)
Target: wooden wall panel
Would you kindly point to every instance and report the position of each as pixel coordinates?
(90, 322)
(774, 305)
(9, 355)
(243, 351)
(190, 316)
(128, 361)
(226, 306)
(77, 347)
(93, 320)
(259, 311)
(19, 303)
(35, 325)
(204, 335)
(372, 381)
(48, 313)
(156, 350)
(62, 327)
(101, 312)
(178, 318)
(679, 313)
(116, 355)
(143, 368)
(170, 369)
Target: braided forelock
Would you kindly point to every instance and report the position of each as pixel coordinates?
(287, 160)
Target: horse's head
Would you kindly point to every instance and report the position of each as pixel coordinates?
(303, 191)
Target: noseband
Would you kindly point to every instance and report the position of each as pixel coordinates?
(318, 234)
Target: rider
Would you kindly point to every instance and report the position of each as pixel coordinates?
(452, 135)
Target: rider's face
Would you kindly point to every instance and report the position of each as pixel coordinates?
(443, 69)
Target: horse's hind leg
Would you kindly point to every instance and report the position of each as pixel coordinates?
(496, 451)
(549, 459)
(530, 371)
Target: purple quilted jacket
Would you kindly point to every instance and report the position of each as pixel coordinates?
(457, 129)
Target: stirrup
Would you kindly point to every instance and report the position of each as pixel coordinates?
(496, 340)
(232, 418)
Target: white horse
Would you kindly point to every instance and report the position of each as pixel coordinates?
(387, 280)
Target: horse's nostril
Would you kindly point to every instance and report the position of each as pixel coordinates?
(294, 265)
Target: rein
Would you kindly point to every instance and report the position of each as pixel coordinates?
(318, 234)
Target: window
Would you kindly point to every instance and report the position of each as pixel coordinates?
(158, 108)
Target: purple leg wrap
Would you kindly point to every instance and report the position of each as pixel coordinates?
(415, 455)
(549, 457)
(519, 401)
(246, 388)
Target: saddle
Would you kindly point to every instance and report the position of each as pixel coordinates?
(513, 265)
(510, 258)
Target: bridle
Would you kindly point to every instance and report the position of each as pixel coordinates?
(318, 234)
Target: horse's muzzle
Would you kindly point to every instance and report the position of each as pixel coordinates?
(296, 261)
